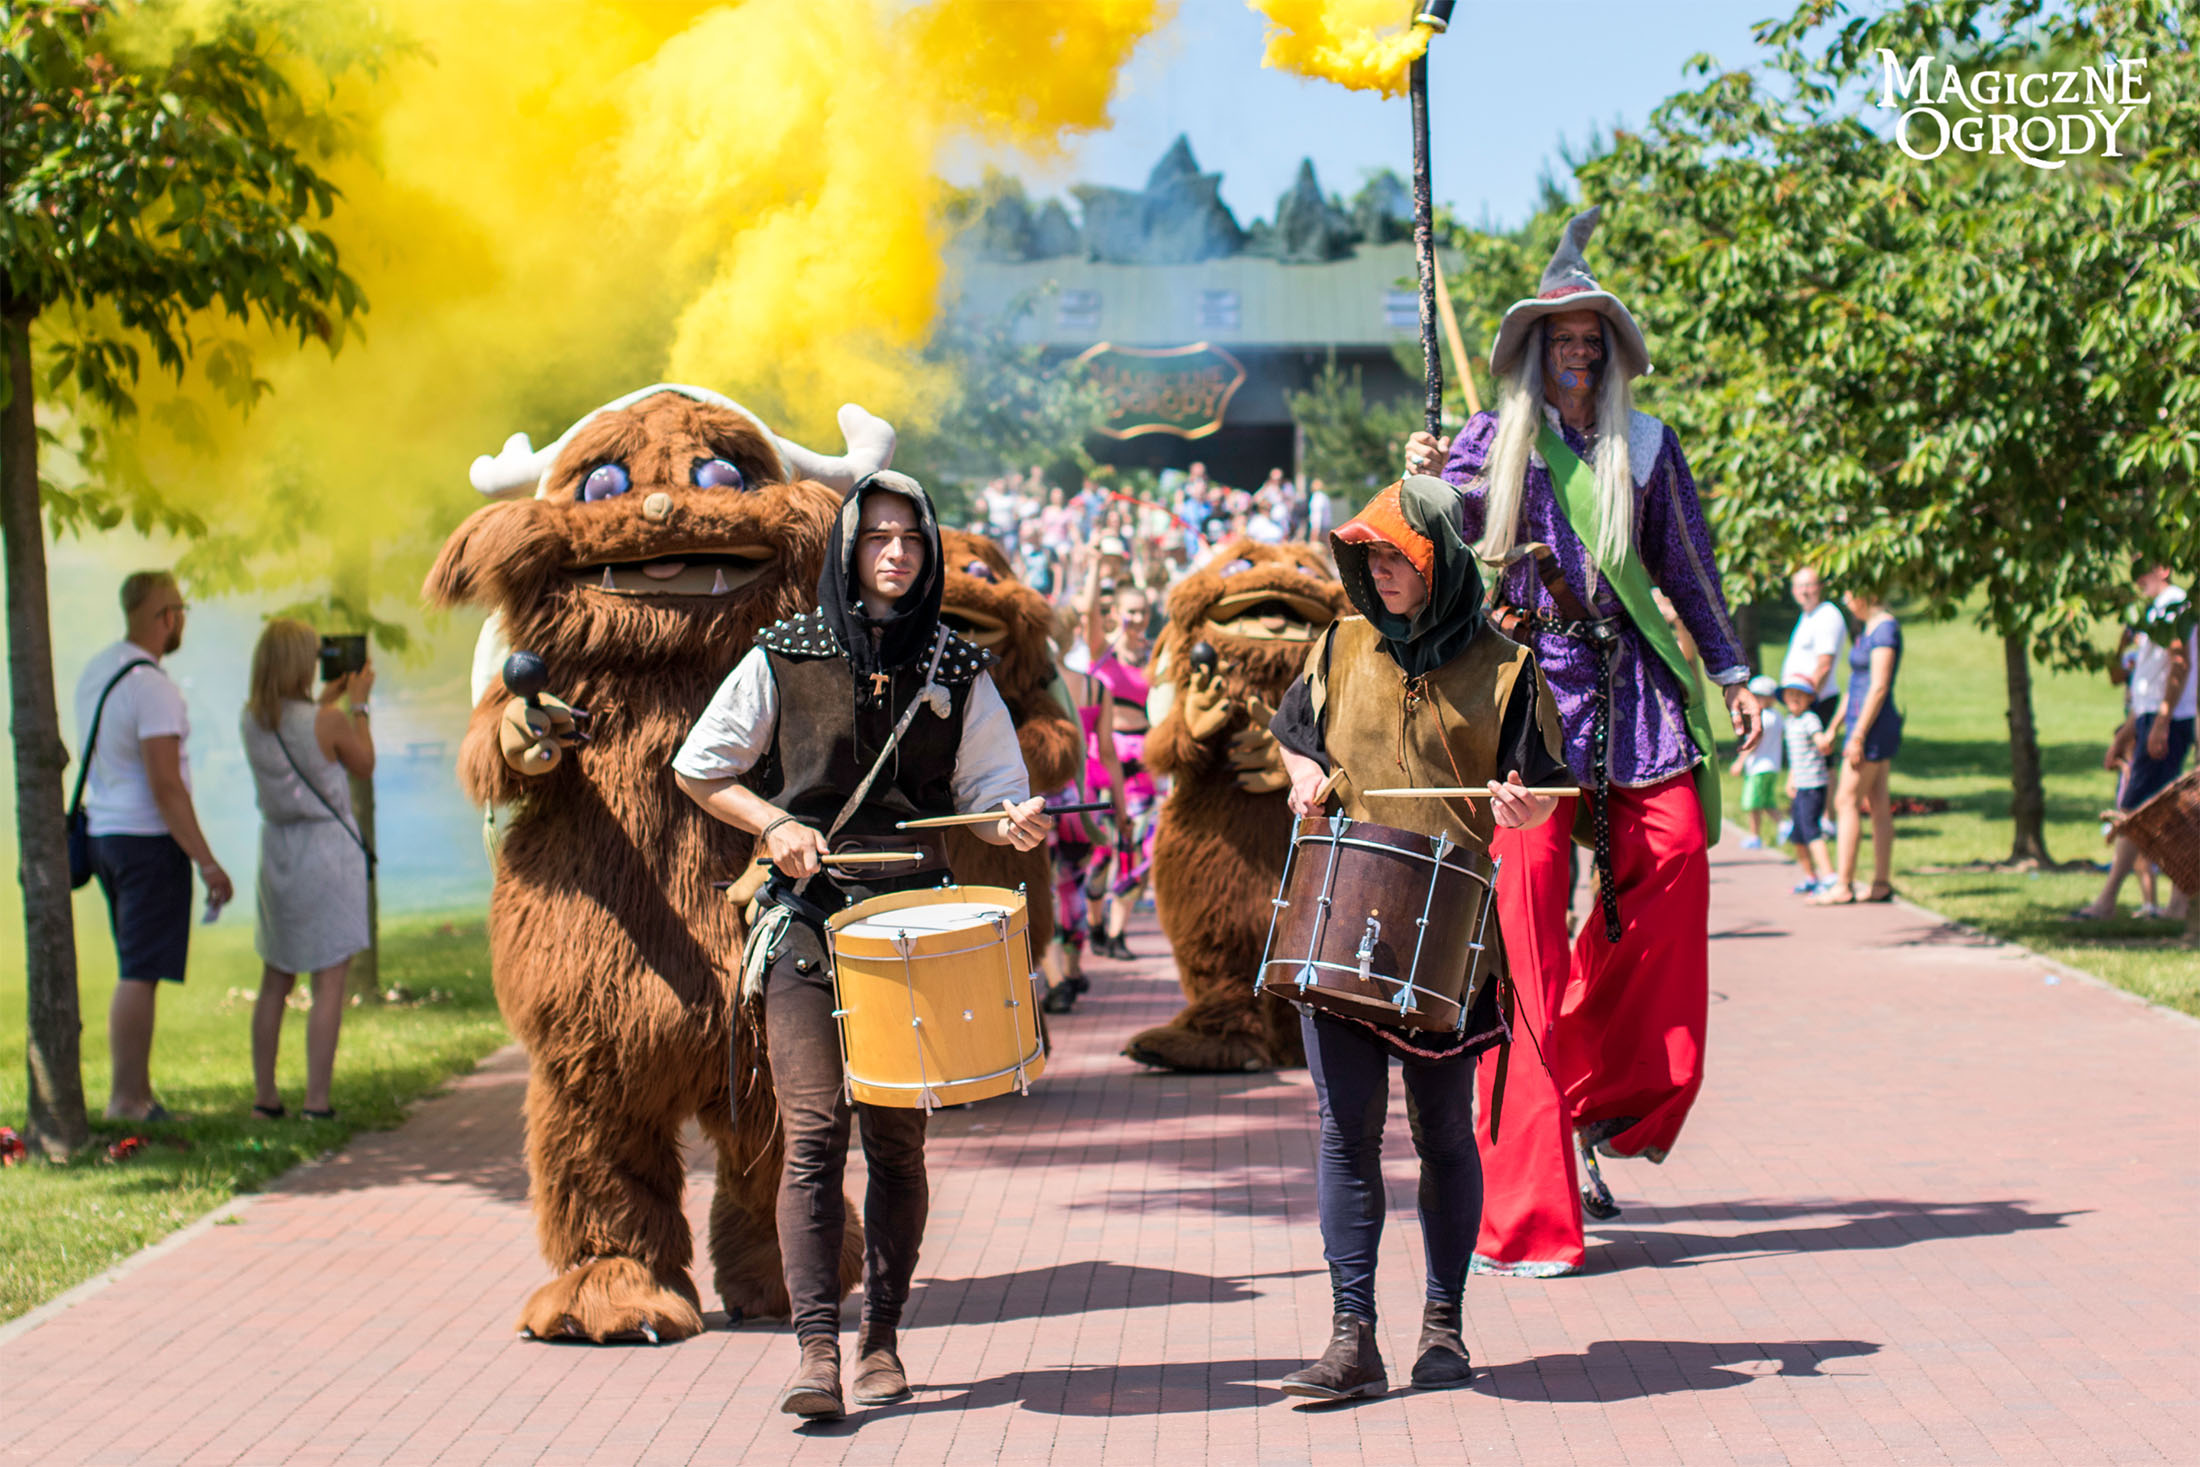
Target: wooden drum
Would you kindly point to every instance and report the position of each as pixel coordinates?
(1382, 924)
(936, 1000)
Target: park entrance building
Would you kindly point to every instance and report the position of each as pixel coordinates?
(1199, 330)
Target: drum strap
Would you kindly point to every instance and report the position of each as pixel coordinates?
(771, 925)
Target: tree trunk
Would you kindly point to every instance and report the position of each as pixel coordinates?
(353, 592)
(2027, 796)
(365, 977)
(57, 1124)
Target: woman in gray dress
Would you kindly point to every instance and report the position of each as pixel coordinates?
(313, 864)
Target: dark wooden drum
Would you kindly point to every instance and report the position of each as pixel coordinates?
(1382, 924)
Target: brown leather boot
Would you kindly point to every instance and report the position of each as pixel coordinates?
(815, 1390)
(879, 1376)
(1442, 1363)
(1350, 1367)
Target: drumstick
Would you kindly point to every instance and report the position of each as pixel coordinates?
(1456, 792)
(980, 817)
(860, 858)
(1328, 787)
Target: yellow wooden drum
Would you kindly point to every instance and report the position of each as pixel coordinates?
(937, 1005)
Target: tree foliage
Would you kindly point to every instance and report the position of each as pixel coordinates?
(1963, 379)
(1352, 444)
(153, 180)
(1007, 406)
(157, 174)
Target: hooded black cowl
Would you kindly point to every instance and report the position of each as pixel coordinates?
(905, 633)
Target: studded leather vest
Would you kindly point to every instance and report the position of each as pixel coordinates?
(831, 728)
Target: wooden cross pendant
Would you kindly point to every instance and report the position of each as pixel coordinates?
(879, 683)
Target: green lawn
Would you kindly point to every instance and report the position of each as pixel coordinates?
(61, 1224)
(1955, 746)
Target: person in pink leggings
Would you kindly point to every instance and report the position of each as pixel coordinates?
(1121, 669)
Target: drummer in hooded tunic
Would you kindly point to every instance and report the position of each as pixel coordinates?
(1417, 690)
(867, 696)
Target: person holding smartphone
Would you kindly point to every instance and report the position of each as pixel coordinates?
(304, 752)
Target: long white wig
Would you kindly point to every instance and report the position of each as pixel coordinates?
(1520, 421)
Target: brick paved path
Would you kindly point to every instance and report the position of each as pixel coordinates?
(1935, 1205)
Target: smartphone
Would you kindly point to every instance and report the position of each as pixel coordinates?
(342, 655)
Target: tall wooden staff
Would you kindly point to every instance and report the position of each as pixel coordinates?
(1436, 15)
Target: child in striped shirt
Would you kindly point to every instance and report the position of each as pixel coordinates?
(1806, 787)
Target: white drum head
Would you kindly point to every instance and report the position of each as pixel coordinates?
(928, 918)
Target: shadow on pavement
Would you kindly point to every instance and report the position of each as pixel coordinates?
(1608, 1370)
(1626, 1370)
(1869, 1223)
(1076, 1288)
(1178, 1388)
(1749, 929)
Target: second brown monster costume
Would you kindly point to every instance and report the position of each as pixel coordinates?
(664, 529)
(984, 603)
(1225, 828)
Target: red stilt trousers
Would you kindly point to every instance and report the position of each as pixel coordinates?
(1621, 1027)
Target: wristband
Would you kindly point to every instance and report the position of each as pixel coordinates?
(766, 833)
(361, 710)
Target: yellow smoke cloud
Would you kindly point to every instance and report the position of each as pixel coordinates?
(561, 201)
(1363, 44)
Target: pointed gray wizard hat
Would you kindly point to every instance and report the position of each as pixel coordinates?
(1567, 285)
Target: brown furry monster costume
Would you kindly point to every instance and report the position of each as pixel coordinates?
(983, 602)
(666, 529)
(1225, 828)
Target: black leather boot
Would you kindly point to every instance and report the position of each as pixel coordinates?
(1350, 1367)
(1442, 1362)
(879, 1376)
(1596, 1198)
(815, 1390)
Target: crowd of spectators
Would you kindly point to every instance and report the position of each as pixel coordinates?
(1054, 533)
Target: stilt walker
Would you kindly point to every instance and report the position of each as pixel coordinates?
(1581, 506)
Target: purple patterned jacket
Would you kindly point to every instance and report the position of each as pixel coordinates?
(1650, 739)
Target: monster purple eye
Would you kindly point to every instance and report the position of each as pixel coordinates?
(605, 481)
(1237, 567)
(981, 570)
(718, 473)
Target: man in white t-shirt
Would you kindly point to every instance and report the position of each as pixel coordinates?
(145, 832)
(2162, 696)
(1819, 642)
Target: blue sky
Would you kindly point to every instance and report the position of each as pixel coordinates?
(1498, 113)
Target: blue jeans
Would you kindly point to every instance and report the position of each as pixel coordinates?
(1351, 1069)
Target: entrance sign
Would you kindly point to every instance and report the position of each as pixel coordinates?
(1183, 390)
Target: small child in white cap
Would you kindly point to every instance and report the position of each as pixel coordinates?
(1806, 786)
(1759, 769)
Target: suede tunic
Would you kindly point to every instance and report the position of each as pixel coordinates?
(1384, 729)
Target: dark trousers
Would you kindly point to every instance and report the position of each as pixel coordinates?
(1351, 1068)
(814, 1115)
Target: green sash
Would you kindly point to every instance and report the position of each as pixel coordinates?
(1576, 489)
